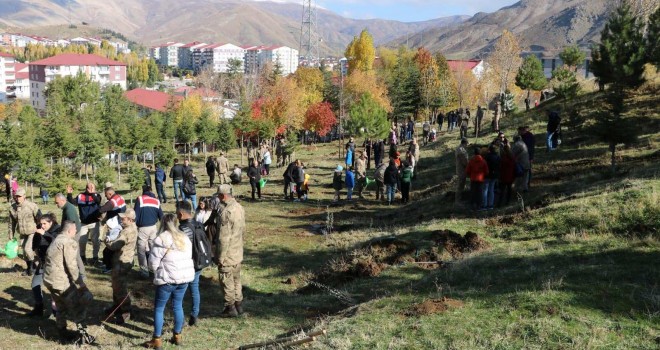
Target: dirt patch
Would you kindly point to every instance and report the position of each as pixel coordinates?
(291, 280)
(306, 211)
(457, 245)
(368, 268)
(433, 306)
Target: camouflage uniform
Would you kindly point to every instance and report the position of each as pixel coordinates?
(123, 253)
(24, 218)
(461, 165)
(223, 169)
(230, 251)
(64, 281)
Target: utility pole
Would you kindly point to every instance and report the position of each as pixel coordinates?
(309, 37)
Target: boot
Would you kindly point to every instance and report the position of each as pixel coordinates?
(192, 321)
(29, 271)
(66, 336)
(154, 343)
(239, 307)
(37, 311)
(83, 337)
(176, 339)
(229, 311)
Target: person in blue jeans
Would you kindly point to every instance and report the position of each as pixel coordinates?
(493, 160)
(184, 213)
(171, 261)
(190, 188)
(391, 180)
(350, 183)
(177, 172)
(160, 183)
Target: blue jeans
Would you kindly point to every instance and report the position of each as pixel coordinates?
(391, 191)
(488, 189)
(194, 290)
(349, 194)
(178, 190)
(548, 140)
(160, 192)
(193, 200)
(163, 294)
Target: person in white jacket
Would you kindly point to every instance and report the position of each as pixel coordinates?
(170, 259)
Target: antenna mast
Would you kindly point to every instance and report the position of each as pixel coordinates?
(310, 41)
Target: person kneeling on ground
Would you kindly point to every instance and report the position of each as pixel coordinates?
(236, 175)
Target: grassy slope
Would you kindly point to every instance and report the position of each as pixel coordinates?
(579, 270)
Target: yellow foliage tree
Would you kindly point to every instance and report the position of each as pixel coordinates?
(359, 83)
(361, 53)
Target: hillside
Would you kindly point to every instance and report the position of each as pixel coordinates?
(243, 22)
(576, 269)
(540, 25)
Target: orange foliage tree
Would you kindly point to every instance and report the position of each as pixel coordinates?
(320, 118)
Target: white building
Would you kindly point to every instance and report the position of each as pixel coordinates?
(217, 56)
(21, 87)
(7, 74)
(169, 54)
(256, 57)
(96, 68)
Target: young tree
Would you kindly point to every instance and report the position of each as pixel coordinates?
(564, 83)
(573, 57)
(404, 89)
(505, 60)
(618, 61)
(652, 41)
(361, 53)
(367, 118)
(28, 159)
(464, 87)
(531, 76)
(429, 82)
(226, 136)
(320, 118)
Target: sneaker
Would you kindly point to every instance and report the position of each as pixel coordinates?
(107, 270)
(296, 200)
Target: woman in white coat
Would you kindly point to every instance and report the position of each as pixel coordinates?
(171, 261)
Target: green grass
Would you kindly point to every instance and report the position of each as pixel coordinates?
(577, 270)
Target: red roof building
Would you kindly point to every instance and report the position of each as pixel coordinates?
(149, 100)
(476, 66)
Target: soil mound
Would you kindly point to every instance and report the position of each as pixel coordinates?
(457, 245)
(433, 306)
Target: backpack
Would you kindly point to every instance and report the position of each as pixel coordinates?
(202, 255)
(189, 188)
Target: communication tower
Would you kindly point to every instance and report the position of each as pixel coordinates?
(310, 41)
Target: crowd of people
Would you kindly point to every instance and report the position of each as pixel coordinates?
(172, 249)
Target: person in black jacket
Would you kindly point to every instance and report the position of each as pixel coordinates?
(210, 170)
(40, 243)
(552, 135)
(254, 175)
(368, 145)
(391, 181)
(493, 160)
(176, 174)
(189, 187)
(147, 175)
(299, 178)
(379, 150)
(89, 204)
(288, 179)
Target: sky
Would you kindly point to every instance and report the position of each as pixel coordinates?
(411, 10)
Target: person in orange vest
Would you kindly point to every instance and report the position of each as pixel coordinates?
(477, 170)
(148, 213)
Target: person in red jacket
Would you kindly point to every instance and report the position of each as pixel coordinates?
(477, 170)
(507, 175)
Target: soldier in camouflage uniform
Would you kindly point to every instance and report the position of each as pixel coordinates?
(123, 252)
(66, 285)
(24, 217)
(229, 252)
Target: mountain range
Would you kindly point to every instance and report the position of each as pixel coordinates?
(541, 25)
(238, 21)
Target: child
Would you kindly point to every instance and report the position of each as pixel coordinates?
(114, 228)
(350, 183)
(337, 182)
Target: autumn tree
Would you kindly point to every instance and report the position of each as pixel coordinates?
(465, 84)
(320, 118)
(359, 83)
(361, 53)
(531, 76)
(429, 82)
(446, 93)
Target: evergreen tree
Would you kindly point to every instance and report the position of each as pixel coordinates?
(573, 57)
(531, 76)
(226, 136)
(564, 83)
(653, 38)
(206, 129)
(404, 87)
(618, 61)
(367, 118)
(28, 159)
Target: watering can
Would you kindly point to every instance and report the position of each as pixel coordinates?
(368, 181)
(262, 183)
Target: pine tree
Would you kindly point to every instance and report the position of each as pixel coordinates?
(367, 118)
(206, 129)
(564, 83)
(531, 76)
(226, 136)
(618, 61)
(573, 57)
(653, 38)
(404, 88)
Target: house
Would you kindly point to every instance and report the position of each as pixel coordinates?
(7, 74)
(217, 56)
(149, 101)
(99, 69)
(185, 53)
(21, 87)
(476, 66)
(551, 61)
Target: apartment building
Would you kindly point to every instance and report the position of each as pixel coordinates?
(7, 74)
(185, 53)
(256, 57)
(169, 54)
(217, 56)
